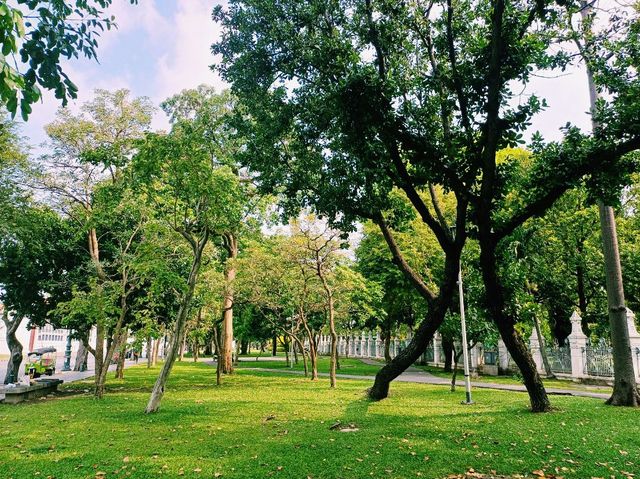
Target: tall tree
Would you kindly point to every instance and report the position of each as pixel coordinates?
(625, 390)
(197, 198)
(83, 177)
(210, 113)
(348, 101)
(35, 255)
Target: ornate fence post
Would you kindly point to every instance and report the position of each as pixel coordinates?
(396, 346)
(534, 345)
(634, 339)
(371, 348)
(377, 344)
(437, 341)
(577, 344)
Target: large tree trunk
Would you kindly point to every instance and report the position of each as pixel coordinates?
(178, 330)
(625, 391)
(231, 245)
(423, 334)
(15, 348)
(80, 363)
(494, 294)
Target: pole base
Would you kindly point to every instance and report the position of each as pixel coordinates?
(467, 403)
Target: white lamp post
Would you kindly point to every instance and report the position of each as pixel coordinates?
(465, 345)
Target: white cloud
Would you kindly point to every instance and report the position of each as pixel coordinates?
(187, 62)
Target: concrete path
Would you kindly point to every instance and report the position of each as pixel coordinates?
(72, 376)
(415, 375)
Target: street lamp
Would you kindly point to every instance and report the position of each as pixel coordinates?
(465, 344)
(463, 327)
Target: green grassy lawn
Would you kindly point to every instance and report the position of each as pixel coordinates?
(550, 383)
(268, 425)
(347, 366)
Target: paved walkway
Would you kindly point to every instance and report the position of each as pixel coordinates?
(415, 375)
(72, 376)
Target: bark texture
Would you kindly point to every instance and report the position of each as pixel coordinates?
(506, 326)
(231, 245)
(80, 363)
(15, 347)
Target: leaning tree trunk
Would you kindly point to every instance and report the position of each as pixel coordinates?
(15, 348)
(494, 295)
(423, 334)
(625, 391)
(179, 329)
(80, 363)
(231, 245)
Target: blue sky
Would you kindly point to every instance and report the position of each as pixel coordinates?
(163, 46)
(159, 48)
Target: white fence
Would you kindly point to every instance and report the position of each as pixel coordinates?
(578, 360)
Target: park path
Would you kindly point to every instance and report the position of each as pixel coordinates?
(415, 375)
(73, 376)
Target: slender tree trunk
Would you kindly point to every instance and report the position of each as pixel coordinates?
(625, 391)
(196, 351)
(231, 245)
(80, 363)
(448, 350)
(122, 350)
(313, 352)
(149, 351)
(183, 346)
(333, 362)
(295, 353)
(543, 349)
(155, 352)
(387, 346)
(494, 295)
(179, 328)
(15, 348)
(98, 388)
(274, 346)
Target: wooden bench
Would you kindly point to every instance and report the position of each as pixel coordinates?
(42, 387)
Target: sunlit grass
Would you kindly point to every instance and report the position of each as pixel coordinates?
(271, 425)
